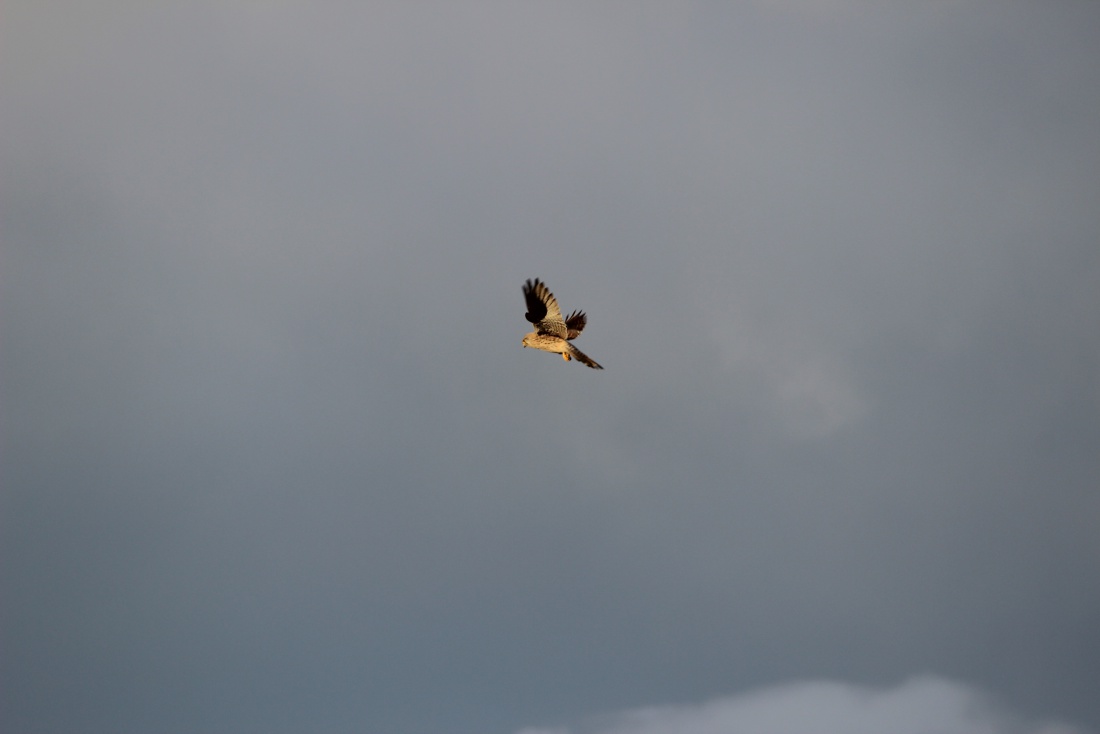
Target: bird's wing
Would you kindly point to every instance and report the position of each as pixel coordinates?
(575, 324)
(542, 309)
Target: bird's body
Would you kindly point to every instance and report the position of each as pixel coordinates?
(553, 333)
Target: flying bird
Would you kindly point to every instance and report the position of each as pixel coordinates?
(553, 333)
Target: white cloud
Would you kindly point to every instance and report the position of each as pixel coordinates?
(809, 387)
(918, 706)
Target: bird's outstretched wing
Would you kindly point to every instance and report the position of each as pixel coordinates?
(542, 309)
(575, 324)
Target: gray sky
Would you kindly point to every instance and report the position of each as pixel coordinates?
(274, 459)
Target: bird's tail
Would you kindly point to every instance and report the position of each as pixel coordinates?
(583, 358)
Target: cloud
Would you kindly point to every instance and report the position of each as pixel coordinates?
(270, 443)
(808, 388)
(919, 705)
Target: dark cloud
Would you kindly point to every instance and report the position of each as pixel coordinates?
(274, 458)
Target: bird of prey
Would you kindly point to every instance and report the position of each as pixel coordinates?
(553, 333)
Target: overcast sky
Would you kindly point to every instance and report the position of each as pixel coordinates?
(275, 460)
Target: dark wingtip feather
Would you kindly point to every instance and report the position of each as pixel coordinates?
(536, 309)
